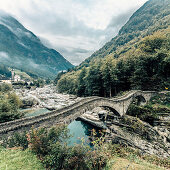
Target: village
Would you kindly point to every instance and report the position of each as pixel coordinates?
(16, 79)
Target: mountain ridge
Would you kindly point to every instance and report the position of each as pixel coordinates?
(140, 21)
(22, 49)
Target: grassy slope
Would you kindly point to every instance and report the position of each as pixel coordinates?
(22, 74)
(121, 163)
(15, 159)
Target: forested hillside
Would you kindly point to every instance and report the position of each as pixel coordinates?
(154, 15)
(137, 58)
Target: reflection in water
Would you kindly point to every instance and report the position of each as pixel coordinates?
(79, 130)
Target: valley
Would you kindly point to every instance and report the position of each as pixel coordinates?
(112, 111)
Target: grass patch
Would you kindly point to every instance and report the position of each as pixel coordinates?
(122, 163)
(15, 159)
(133, 157)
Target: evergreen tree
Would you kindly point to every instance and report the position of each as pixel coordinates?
(109, 76)
(94, 83)
(81, 83)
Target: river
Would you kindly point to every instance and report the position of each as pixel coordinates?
(80, 130)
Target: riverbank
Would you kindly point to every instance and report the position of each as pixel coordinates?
(144, 127)
(41, 99)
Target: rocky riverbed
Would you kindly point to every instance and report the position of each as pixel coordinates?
(95, 117)
(46, 97)
(131, 131)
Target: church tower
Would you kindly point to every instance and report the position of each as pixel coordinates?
(12, 74)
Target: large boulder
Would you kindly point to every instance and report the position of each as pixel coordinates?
(30, 101)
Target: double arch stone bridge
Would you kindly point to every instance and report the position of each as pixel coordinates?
(67, 114)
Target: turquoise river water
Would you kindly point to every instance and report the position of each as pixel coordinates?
(78, 129)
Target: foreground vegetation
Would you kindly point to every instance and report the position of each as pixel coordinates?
(52, 150)
(15, 158)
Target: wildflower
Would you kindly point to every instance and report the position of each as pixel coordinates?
(28, 137)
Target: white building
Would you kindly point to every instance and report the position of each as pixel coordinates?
(17, 78)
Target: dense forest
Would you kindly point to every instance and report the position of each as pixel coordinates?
(144, 67)
(137, 58)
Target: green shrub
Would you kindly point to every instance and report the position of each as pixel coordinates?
(145, 113)
(50, 145)
(17, 140)
(41, 140)
(4, 87)
(9, 107)
(162, 99)
(60, 156)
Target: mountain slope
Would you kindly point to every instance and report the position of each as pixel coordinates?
(137, 58)
(154, 15)
(20, 48)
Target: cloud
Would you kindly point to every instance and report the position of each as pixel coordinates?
(120, 20)
(75, 28)
(3, 55)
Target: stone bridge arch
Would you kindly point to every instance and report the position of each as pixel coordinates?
(119, 106)
(139, 100)
(142, 97)
(115, 112)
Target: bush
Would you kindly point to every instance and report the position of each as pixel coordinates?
(9, 107)
(41, 140)
(145, 113)
(77, 157)
(17, 140)
(50, 145)
(4, 87)
(163, 99)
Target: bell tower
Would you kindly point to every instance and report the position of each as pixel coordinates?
(12, 74)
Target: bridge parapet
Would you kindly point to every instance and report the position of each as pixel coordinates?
(71, 112)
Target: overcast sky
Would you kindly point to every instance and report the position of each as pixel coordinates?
(75, 28)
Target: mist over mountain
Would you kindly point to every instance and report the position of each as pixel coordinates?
(21, 49)
(154, 15)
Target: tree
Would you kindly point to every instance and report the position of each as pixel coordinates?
(58, 76)
(81, 83)
(94, 82)
(109, 76)
(5, 87)
(9, 107)
(68, 83)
